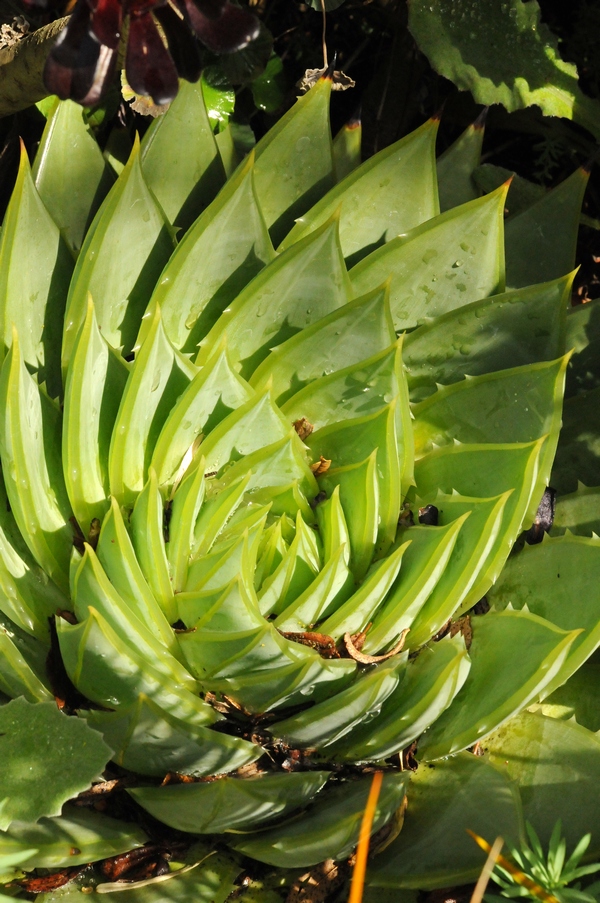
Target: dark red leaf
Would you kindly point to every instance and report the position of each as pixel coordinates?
(148, 66)
(183, 46)
(79, 67)
(107, 21)
(232, 30)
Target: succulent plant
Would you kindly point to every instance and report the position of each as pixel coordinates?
(254, 498)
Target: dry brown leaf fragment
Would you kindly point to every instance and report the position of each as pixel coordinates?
(320, 466)
(339, 80)
(323, 644)
(303, 427)
(463, 626)
(350, 642)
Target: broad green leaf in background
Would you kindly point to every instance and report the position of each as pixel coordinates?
(392, 192)
(508, 330)
(122, 256)
(553, 579)
(179, 157)
(578, 512)
(455, 167)
(583, 335)
(219, 101)
(577, 698)
(36, 740)
(294, 161)
(541, 240)
(551, 761)
(269, 89)
(487, 700)
(578, 453)
(329, 828)
(502, 53)
(70, 172)
(22, 664)
(30, 444)
(347, 148)
(230, 804)
(52, 841)
(33, 297)
(445, 263)
(227, 246)
(444, 799)
(93, 392)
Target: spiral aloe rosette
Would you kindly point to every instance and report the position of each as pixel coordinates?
(215, 479)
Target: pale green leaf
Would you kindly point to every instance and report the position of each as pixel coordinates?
(455, 168)
(147, 537)
(347, 148)
(578, 512)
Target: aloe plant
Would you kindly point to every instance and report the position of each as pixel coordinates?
(254, 488)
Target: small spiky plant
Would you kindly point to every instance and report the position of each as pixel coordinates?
(252, 497)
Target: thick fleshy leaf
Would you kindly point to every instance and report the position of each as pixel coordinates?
(502, 680)
(122, 256)
(443, 264)
(70, 751)
(577, 698)
(147, 537)
(329, 828)
(299, 567)
(509, 330)
(35, 269)
(583, 335)
(554, 580)
(149, 740)
(22, 664)
(578, 512)
(329, 721)
(230, 804)
(309, 281)
(52, 841)
(30, 450)
(294, 161)
(180, 160)
(96, 379)
(456, 165)
(227, 246)
(392, 192)
(546, 757)
(434, 849)
(212, 394)
(429, 685)
(70, 172)
(357, 330)
(347, 148)
(577, 459)
(541, 241)
(332, 586)
(158, 377)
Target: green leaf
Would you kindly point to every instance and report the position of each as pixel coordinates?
(541, 241)
(294, 161)
(30, 449)
(583, 335)
(578, 453)
(149, 740)
(96, 379)
(577, 698)
(434, 849)
(455, 168)
(297, 570)
(552, 579)
(501, 680)
(230, 804)
(551, 760)
(516, 405)
(147, 537)
(502, 54)
(346, 336)
(158, 377)
(329, 828)
(212, 394)
(269, 89)
(184, 511)
(117, 557)
(347, 148)
(392, 192)
(578, 512)
(334, 718)
(445, 263)
(22, 664)
(215, 513)
(179, 157)
(521, 194)
(226, 247)
(309, 281)
(509, 330)
(219, 102)
(429, 685)
(52, 841)
(70, 172)
(124, 251)
(35, 269)
(37, 740)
